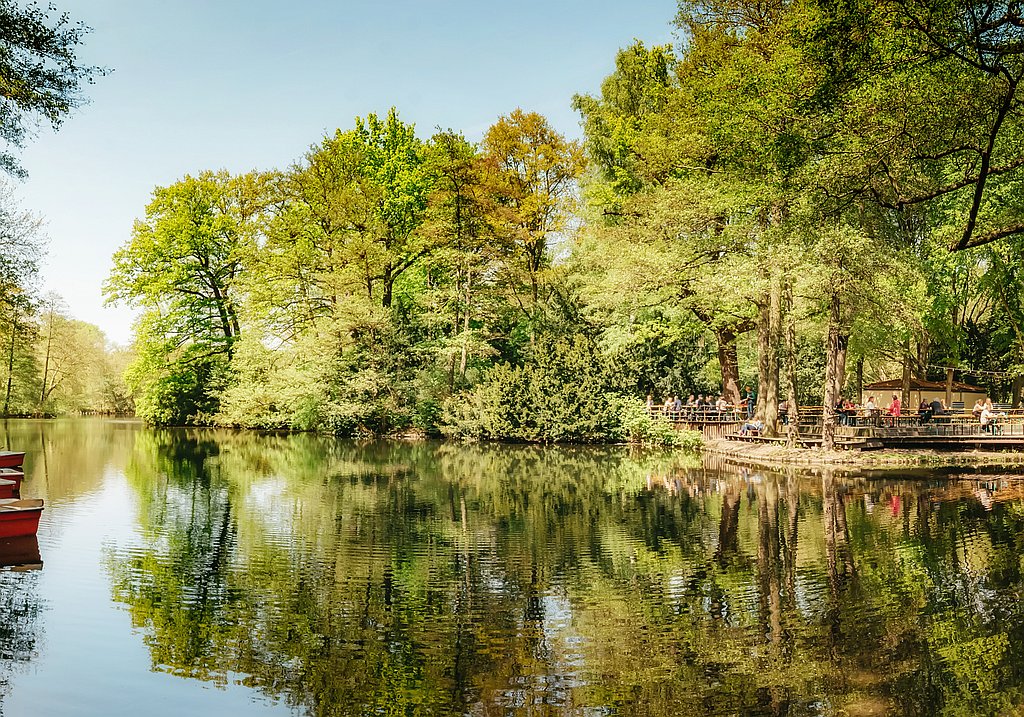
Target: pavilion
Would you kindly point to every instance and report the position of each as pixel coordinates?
(951, 392)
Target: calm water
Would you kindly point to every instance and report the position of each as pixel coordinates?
(209, 573)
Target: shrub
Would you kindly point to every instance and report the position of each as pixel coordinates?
(639, 427)
(561, 395)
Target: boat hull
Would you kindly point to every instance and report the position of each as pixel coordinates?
(11, 459)
(19, 517)
(8, 488)
(12, 474)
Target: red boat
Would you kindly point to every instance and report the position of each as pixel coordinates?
(11, 459)
(19, 516)
(14, 474)
(7, 488)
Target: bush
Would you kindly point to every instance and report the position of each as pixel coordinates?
(561, 395)
(182, 393)
(639, 427)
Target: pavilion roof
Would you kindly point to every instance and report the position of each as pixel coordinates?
(917, 384)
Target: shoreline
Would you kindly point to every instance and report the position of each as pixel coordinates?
(772, 455)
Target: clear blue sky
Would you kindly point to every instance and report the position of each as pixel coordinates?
(208, 84)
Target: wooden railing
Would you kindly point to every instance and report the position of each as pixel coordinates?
(699, 415)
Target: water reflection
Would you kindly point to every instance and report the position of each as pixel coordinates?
(69, 457)
(20, 608)
(342, 578)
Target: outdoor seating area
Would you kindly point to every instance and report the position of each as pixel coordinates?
(858, 427)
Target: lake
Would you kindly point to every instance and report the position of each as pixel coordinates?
(203, 572)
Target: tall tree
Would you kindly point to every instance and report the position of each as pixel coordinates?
(184, 260)
(533, 172)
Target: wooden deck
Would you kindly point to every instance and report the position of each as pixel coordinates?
(951, 432)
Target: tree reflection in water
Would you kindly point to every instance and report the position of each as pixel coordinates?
(19, 608)
(397, 578)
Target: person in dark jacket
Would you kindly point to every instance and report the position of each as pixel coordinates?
(749, 400)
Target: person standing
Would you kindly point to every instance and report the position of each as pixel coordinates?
(988, 417)
(749, 400)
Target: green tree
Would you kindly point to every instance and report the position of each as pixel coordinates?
(185, 258)
(182, 267)
(532, 172)
(41, 76)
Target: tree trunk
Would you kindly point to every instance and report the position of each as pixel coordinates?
(843, 346)
(860, 379)
(828, 420)
(729, 364)
(793, 429)
(921, 366)
(769, 328)
(1017, 388)
(46, 361)
(10, 366)
(905, 384)
(770, 389)
(465, 327)
(234, 319)
(764, 341)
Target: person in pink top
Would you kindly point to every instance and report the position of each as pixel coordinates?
(894, 409)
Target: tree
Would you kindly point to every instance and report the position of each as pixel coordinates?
(347, 228)
(21, 247)
(40, 73)
(533, 172)
(73, 361)
(182, 266)
(184, 260)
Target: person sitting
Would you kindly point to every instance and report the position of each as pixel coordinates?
(752, 428)
(722, 405)
(988, 419)
(784, 412)
(703, 404)
(924, 412)
(979, 406)
(842, 417)
(895, 406)
(871, 411)
(850, 412)
(893, 410)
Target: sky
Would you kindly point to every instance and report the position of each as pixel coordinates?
(217, 84)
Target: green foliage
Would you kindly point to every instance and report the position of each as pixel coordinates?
(638, 426)
(769, 202)
(561, 395)
(42, 76)
(179, 393)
